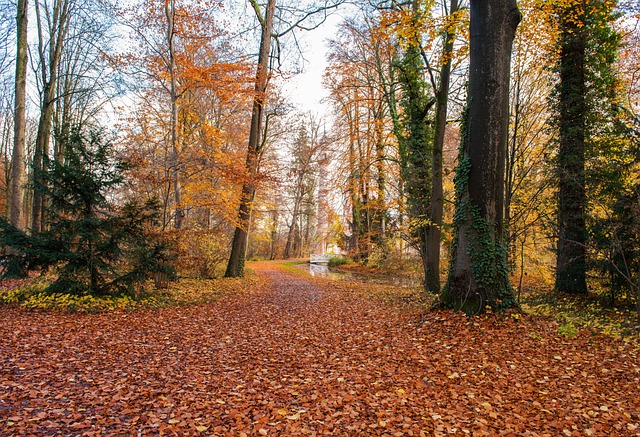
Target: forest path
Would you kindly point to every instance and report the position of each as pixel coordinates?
(301, 356)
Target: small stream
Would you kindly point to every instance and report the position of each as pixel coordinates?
(323, 271)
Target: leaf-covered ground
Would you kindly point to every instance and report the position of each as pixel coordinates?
(295, 356)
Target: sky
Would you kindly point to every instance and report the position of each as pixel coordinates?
(305, 89)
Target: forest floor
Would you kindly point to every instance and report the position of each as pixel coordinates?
(300, 356)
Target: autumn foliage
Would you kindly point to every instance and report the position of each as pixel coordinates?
(294, 356)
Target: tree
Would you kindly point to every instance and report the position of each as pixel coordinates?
(434, 235)
(419, 131)
(52, 25)
(478, 270)
(191, 98)
(595, 147)
(572, 198)
(235, 266)
(415, 132)
(16, 210)
(306, 153)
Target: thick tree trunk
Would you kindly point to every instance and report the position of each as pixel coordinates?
(432, 276)
(235, 266)
(16, 209)
(572, 201)
(478, 275)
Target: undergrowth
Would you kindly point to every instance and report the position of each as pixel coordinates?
(586, 312)
(33, 296)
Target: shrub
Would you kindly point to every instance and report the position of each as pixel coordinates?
(337, 261)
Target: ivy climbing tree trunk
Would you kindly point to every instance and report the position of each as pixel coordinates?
(16, 209)
(414, 140)
(478, 271)
(235, 266)
(572, 198)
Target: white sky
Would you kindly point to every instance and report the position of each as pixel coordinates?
(305, 90)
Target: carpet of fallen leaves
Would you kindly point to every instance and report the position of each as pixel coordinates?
(300, 357)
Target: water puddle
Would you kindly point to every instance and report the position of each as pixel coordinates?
(323, 271)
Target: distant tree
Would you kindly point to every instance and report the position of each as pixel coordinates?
(305, 152)
(478, 274)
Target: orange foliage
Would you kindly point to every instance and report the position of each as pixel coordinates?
(213, 100)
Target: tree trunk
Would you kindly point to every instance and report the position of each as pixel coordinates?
(354, 244)
(478, 273)
(169, 10)
(572, 201)
(40, 156)
(291, 234)
(235, 266)
(432, 277)
(381, 187)
(512, 159)
(58, 24)
(273, 246)
(16, 209)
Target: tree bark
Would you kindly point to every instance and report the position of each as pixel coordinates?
(16, 208)
(432, 277)
(572, 200)
(478, 273)
(235, 266)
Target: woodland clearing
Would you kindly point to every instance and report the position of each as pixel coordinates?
(295, 355)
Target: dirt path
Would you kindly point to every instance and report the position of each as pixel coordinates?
(295, 356)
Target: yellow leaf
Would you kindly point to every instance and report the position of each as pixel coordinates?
(282, 411)
(202, 428)
(294, 416)
(173, 421)
(401, 391)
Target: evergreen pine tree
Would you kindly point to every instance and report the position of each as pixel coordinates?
(96, 247)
